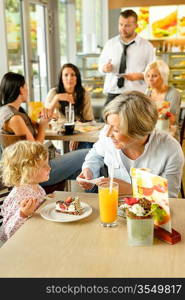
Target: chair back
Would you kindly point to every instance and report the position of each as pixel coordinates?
(3, 195)
(8, 139)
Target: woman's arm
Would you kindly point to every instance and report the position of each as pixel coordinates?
(88, 114)
(125, 188)
(175, 101)
(60, 97)
(19, 127)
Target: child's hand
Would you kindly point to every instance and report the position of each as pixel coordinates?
(28, 206)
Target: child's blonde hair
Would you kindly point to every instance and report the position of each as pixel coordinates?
(20, 162)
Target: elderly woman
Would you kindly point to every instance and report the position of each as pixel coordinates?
(156, 76)
(130, 140)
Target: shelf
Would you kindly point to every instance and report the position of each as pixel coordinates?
(175, 61)
(177, 68)
(84, 55)
(89, 69)
(171, 53)
(177, 80)
(92, 80)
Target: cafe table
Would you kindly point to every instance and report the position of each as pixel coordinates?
(82, 133)
(83, 249)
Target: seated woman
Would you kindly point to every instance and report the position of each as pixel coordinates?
(14, 120)
(130, 140)
(156, 76)
(70, 89)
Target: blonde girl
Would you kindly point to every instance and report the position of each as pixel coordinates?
(23, 166)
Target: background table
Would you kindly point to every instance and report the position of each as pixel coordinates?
(42, 248)
(90, 136)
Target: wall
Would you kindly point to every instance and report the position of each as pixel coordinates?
(113, 22)
(125, 3)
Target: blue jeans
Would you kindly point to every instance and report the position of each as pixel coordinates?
(85, 145)
(66, 167)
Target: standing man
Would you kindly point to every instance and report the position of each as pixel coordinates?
(127, 54)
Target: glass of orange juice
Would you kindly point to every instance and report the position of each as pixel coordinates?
(108, 204)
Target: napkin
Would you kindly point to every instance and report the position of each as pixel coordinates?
(93, 181)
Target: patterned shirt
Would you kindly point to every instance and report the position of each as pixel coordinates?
(11, 208)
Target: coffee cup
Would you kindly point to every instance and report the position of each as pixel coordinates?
(69, 128)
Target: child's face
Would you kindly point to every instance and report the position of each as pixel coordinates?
(42, 174)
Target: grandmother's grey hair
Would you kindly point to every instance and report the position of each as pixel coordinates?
(162, 67)
(137, 112)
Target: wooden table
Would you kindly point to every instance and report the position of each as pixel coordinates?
(42, 248)
(90, 136)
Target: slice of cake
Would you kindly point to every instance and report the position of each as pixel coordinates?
(71, 205)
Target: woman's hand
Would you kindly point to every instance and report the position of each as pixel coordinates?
(172, 119)
(85, 174)
(73, 145)
(27, 207)
(65, 97)
(46, 113)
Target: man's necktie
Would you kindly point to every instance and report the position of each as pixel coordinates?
(122, 67)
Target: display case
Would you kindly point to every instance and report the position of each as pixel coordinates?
(176, 63)
(91, 78)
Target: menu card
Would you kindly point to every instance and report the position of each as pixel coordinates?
(154, 188)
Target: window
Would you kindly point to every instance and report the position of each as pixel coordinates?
(13, 17)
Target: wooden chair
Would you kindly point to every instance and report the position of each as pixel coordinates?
(2, 197)
(8, 139)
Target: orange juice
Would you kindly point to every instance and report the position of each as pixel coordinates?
(108, 203)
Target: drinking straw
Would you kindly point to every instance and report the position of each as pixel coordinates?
(70, 112)
(111, 178)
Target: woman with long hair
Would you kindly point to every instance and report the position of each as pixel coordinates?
(15, 120)
(70, 90)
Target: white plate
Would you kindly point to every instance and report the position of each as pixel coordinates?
(49, 213)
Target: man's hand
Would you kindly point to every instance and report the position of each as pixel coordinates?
(108, 67)
(133, 76)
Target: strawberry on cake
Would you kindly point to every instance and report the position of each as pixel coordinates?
(71, 205)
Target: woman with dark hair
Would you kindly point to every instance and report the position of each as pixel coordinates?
(70, 90)
(14, 120)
